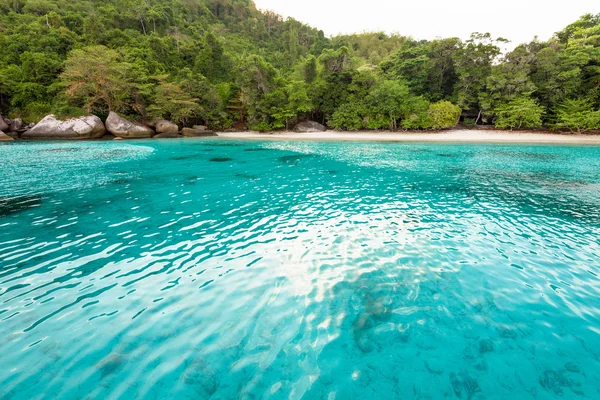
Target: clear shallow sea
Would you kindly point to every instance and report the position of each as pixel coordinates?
(226, 269)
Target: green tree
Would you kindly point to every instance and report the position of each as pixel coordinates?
(310, 69)
(389, 102)
(96, 78)
(173, 102)
(577, 115)
(473, 62)
(410, 65)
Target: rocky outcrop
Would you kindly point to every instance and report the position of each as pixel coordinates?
(166, 127)
(122, 128)
(191, 132)
(15, 125)
(4, 137)
(310, 126)
(200, 127)
(108, 136)
(90, 127)
(167, 135)
(3, 124)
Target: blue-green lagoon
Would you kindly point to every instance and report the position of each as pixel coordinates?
(221, 269)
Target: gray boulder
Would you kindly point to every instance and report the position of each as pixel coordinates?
(122, 128)
(200, 127)
(191, 132)
(3, 124)
(15, 125)
(4, 137)
(310, 126)
(166, 127)
(167, 135)
(90, 127)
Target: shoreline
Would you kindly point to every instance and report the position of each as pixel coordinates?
(453, 136)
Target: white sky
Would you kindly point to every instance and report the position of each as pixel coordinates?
(516, 20)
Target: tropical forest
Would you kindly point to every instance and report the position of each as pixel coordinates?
(228, 65)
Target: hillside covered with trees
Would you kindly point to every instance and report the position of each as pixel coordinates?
(226, 64)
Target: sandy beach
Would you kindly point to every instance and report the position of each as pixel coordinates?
(455, 136)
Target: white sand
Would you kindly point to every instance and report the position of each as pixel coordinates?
(445, 136)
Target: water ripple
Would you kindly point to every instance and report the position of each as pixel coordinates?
(290, 270)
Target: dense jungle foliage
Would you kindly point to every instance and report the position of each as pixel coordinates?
(227, 64)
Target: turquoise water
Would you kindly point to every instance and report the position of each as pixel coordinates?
(225, 269)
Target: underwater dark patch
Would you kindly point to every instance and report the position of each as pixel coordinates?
(258, 149)
(246, 176)
(221, 159)
(13, 205)
(120, 181)
(294, 158)
(526, 155)
(179, 158)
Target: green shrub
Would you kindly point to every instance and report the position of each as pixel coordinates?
(419, 120)
(522, 112)
(262, 127)
(35, 111)
(443, 114)
(347, 116)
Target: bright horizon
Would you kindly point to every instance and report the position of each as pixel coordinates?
(517, 20)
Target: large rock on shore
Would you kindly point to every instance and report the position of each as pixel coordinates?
(166, 127)
(310, 126)
(3, 124)
(122, 128)
(4, 137)
(90, 127)
(15, 125)
(191, 132)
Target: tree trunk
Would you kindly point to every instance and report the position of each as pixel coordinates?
(478, 117)
(143, 26)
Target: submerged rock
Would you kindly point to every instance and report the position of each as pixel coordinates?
(12, 205)
(123, 128)
(163, 126)
(310, 126)
(4, 137)
(202, 378)
(89, 127)
(553, 381)
(572, 367)
(192, 132)
(110, 365)
(486, 346)
(465, 384)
